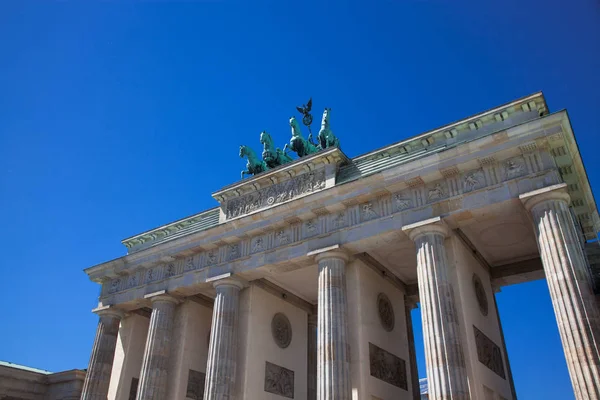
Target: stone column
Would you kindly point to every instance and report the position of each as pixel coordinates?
(312, 357)
(444, 357)
(155, 363)
(333, 349)
(409, 305)
(222, 350)
(97, 379)
(567, 277)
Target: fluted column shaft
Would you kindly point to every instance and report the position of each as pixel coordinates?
(446, 371)
(333, 350)
(222, 352)
(154, 373)
(312, 357)
(97, 379)
(573, 301)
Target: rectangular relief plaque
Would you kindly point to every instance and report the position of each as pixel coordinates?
(279, 380)
(195, 385)
(488, 353)
(133, 388)
(387, 367)
(277, 193)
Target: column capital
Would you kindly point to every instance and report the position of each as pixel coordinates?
(554, 192)
(109, 311)
(334, 251)
(161, 296)
(431, 225)
(229, 282)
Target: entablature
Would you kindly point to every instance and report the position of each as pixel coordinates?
(493, 168)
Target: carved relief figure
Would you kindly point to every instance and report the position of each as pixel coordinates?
(437, 192)
(514, 168)
(339, 220)
(277, 193)
(282, 237)
(233, 250)
(258, 245)
(170, 271)
(211, 257)
(114, 285)
(386, 312)
(387, 367)
(133, 281)
(402, 203)
(189, 264)
(489, 353)
(281, 328)
(311, 226)
(470, 182)
(279, 380)
(368, 212)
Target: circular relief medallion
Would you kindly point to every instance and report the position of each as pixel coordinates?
(386, 312)
(480, 294)
(281, 330)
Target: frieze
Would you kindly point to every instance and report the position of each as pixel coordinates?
(297, 230)
(488, 353)
(275, 194)
(195, 385)
(279, 380)
(387, 367)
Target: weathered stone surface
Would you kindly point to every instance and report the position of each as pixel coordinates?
(222, 357)
(488, 353)
(444, 357)
(279, 380)
(195, 385)
(570, 287)
(154, 373)
(97, 379)
(480, 294)
(281, 330)
(386, 312)
(133, 389)
(387, 367)
(333, 365)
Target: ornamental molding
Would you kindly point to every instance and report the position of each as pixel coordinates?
(354, 213)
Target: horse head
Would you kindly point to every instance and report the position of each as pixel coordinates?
(295, 127)
(325, 119)
(243, 151)
(265, 138)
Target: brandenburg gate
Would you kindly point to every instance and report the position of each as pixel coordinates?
(300, 284)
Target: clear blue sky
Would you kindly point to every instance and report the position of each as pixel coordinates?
(118, 117)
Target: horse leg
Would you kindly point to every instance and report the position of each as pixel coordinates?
(245, 172)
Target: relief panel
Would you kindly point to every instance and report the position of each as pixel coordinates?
(195, 385)
(488, 353)
(275, 194)
(279, 380)
(387, 367)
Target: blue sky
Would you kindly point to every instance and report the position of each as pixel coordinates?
(117, 117)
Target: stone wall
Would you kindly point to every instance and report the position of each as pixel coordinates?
(378, 340)
(128, 357)
(22, 383)
(272, 354)
(485, 357)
